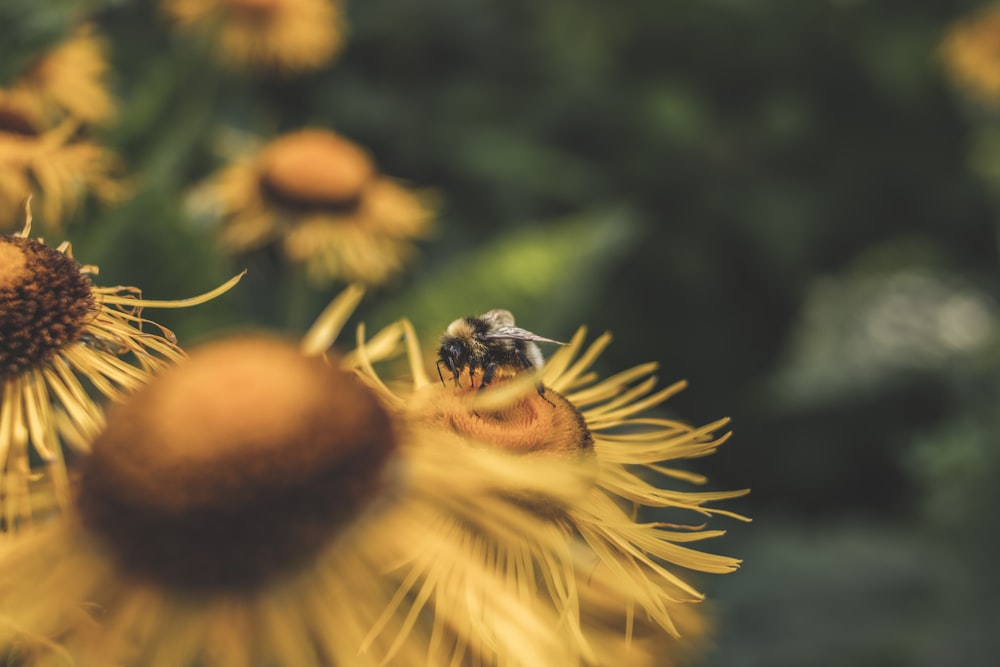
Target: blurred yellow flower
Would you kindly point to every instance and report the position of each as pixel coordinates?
(43, 150)
(68, 82)
(256, 505)
(611, 565)
(61, 339)
(320, 199)
(283, 36)
(971, 53)
(56, 167)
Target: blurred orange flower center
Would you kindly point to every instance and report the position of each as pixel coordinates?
(238, 463)
(316, 168)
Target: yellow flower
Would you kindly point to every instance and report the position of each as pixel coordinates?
(320, 199)
(69, 82)
(61, 339)
(612, 565)
(257, 505)
(42, 148)
(645, 645)
(56, 167)
(971, 53)
(283, 36)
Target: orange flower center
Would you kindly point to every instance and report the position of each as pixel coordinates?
(234, 466)
(531, 423)
(315, 168)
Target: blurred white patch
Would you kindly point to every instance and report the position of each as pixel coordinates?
(858, 331)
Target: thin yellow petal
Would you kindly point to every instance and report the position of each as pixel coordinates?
(8, 398)
(582, 364)
(610, 386)
(35, 402)
(178, 303)
(557, 364)
(417, 370)
(615, 417)
(330, 323)
(366, 366)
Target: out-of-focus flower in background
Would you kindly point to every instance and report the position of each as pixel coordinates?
(69, 81)
(971, 53)
(56, 167)
(45, 150)
(62, 338)
(320, 199)
(275, 36)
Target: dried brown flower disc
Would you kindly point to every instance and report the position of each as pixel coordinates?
(45, 302)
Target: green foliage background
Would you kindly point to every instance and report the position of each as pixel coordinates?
(781, 201)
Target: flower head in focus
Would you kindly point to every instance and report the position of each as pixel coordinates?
(62, 339)
(277, 36)
(319, 198)
(971, 53)
(616, 577)
(67, 83)
(257, 504)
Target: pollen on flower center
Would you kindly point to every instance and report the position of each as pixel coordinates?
(315, 168)
(45, 301)
(234, 466)
(530, 423)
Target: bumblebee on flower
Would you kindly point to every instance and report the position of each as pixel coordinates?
(610, 565)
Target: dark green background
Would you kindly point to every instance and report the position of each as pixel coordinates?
(782, 201)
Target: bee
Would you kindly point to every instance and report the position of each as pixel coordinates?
(490, 343)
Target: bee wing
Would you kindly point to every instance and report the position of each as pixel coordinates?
(498, 318)
(516, 333)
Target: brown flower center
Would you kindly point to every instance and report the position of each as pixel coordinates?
(532, 423)
(315, 168)
(45, 302)
(234, 466)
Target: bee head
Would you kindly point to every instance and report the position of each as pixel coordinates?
(453, 352)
